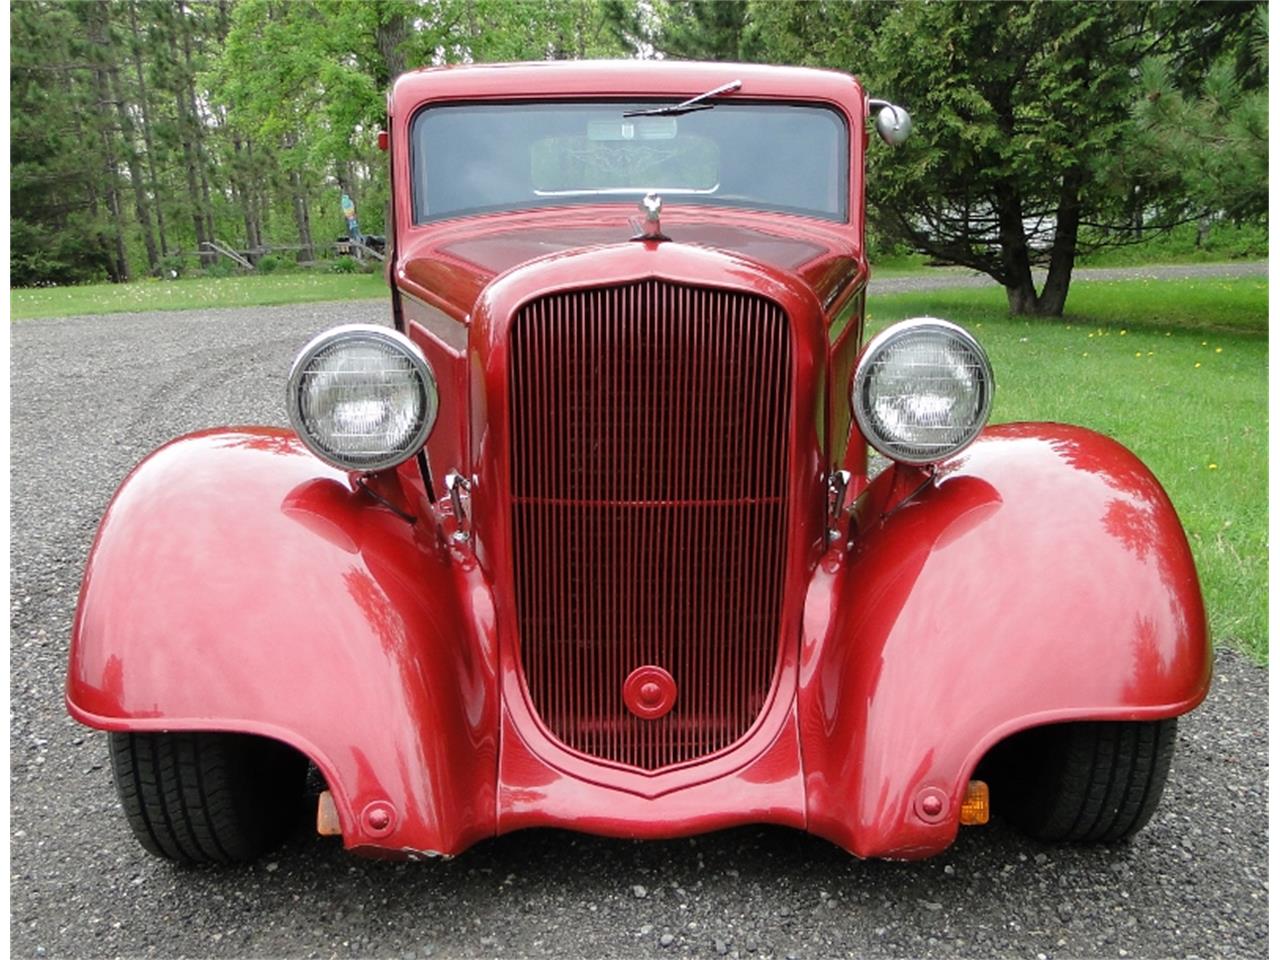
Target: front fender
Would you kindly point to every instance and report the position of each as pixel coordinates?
(1043, 576)
(239, 584)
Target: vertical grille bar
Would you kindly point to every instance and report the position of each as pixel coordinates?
(649, 464)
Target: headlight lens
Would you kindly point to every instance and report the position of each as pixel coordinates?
(922, 390)
(362, 397)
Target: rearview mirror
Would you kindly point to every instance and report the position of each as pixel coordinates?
(893, 123)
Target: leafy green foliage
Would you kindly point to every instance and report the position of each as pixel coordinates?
(1021, 108)
(1212, 145)
(176, 265)
(1029, 142)
(143, 129)
(702, 29)
(273, 264)
(58, 229)
(345, 265)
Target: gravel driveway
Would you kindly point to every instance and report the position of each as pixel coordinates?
(91, 396)
(941, 278)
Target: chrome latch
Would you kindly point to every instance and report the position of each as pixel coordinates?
(837, 485)
(459, 487)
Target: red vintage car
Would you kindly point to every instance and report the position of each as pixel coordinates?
(589, 539)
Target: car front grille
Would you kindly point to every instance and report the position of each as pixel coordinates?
(649, 466)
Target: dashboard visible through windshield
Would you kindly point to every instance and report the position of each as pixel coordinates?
(483, 157)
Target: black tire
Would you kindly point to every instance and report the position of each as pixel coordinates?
(1082, 782)
(199, 798)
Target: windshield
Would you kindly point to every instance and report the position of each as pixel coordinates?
(475, 158)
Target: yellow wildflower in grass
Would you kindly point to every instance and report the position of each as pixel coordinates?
(1123, 332)
(1150, 353)
(1197, 366)
(1138, 354)
(1219, 350)
(1213, 466)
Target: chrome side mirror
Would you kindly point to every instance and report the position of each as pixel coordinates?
(893, 123)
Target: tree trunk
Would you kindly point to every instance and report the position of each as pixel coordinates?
(301, 216)
(209, 227)
(189, 161)
(99, 36)
(144, 105)
(1203, 226)
(1053, 298)
(141, 205)
(204, 204)
(120, 257)
(189, 167)
(254, 193)
(1021, 297)
(1015, 255)
(391, 32)
(242, 190)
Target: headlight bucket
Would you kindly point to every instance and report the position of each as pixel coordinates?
(362, 397)
(922, 390)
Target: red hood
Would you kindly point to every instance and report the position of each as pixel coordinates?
(450, 264)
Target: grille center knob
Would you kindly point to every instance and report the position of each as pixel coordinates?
(649, 692)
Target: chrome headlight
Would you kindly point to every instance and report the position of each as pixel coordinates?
(922, 390)
(362, 397)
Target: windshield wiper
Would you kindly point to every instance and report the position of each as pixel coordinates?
(688, 106)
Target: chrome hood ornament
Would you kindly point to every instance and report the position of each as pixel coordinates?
(651, 229)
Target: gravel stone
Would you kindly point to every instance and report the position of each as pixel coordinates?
(666, 939)
(91, 396)
(639, 892)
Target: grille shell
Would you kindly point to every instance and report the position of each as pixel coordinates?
(649, 457)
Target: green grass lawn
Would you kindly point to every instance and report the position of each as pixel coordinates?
(1176, 371)
(198, 292)
(902, 265)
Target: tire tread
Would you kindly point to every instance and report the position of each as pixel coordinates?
(198, 798)
(1090, 782)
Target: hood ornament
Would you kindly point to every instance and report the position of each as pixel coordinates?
(651, 229)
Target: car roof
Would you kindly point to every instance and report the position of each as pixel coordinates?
(622, 78)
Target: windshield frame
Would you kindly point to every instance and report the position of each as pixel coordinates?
(843, 173)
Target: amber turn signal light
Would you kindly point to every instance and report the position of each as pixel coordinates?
(327, 823)
(976, 809)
